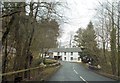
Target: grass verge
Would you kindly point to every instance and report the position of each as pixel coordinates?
(46, 73)
(100, 72)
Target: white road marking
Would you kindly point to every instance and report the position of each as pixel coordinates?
(73, 67)
(83, 79)
(76, 72)
(80, 76)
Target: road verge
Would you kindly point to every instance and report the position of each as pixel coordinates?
(100, 72)
(47, 72)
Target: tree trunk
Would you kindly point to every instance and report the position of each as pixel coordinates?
(27, 63)
(113, 50)
(118, 26)
(113, 44)
(105, 59)
(5, 34)
(4, 61)
(113, 55)
(18, 65)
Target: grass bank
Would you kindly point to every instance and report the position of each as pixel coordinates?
(101, 72)
(50, 67)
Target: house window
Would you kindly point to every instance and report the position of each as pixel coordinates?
(71, 53)
(64, 53)
(79, 53)
(64, 58)
(71, 58)
(78, 58)
(58, 53)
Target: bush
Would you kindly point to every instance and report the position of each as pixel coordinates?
(36, 62)
(49, 61)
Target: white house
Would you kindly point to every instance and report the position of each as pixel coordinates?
(66, 54)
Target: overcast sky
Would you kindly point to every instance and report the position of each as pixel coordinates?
(80, 12)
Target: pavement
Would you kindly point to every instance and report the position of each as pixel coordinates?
(70, 71)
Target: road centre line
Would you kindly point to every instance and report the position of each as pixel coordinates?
(76, 72)
(73, 68)
(80, 76)
(83, 79)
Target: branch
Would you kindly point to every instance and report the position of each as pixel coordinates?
(10, 14)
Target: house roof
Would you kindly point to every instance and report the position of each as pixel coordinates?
(65, 50)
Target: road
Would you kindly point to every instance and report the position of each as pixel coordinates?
(76, 72)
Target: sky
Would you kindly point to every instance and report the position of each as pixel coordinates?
(79, 14)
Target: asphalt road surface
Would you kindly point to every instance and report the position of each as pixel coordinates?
(76, 72)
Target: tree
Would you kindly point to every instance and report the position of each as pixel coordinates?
(118, 26)
(46, 36)
(109, 18)
(78, 38)
(21, 30)
(87, 39)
